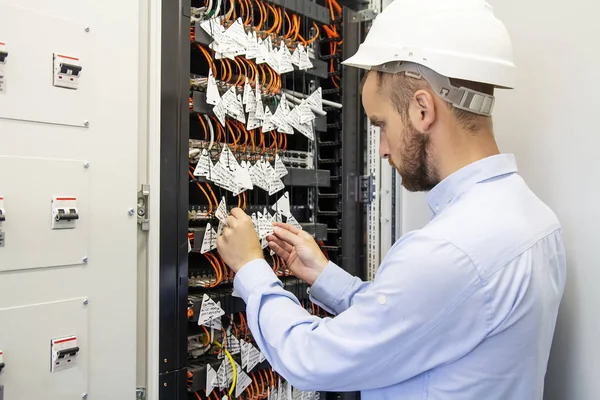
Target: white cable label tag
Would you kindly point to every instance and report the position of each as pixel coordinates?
(306, 114)
(217, 174)
(212, 26)
(210, 239)
(247, 92)
(243, 180)
(265, 226)
(221, 212)
(233, 344)
(257, 177)
(212, 91)
(219, 110)
(253, 49)
(259, 104)
(224, 374)
(284, 59)
(294, 222)
(211, 374)
(220, 229)
(253, 122)
(209, 310)
(316, 99)
(237, 33)
(242, 381)
(280, 169)
(263, 52)
(245, 352)
(253, 358)
(203, 165)
(268, 125)
(305, 63)
(276, 185)
(282, 206)
(296, 55)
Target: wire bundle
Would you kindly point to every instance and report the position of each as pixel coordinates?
(231, 42)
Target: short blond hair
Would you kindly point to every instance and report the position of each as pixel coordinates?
(400, 89)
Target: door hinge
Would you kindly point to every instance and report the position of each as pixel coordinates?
(142, 207)
(367, 188)
(140, 393)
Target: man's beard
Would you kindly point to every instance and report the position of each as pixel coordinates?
(416, 170)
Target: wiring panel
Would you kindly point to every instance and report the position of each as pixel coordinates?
(264, 136)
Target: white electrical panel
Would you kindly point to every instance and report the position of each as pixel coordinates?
(67, 70)
(2, 219)
(3, 59)
(59, 122)
(64, 353)
(35, 334)
(64, 212)
(47, 87)
(48, 221)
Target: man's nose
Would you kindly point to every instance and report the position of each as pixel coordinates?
(384, 151)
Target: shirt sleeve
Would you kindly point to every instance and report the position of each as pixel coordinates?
(426, 307)
(335, 289)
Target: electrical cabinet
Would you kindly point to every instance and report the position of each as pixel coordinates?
(257, 113)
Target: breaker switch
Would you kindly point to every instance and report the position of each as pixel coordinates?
(66, 215)
(2, 212)
(67, 71)
(64, 212)
(64, 353)
(3, 57)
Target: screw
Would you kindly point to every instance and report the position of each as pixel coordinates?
(86, 124)
(165, 384)
(141, 212)
(87, 29)
(85, 259)
(165, 360)
(84, 396)
(86, 302)
(131, 211)
(86, 165)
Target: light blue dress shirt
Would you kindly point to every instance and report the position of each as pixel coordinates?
(463, 309)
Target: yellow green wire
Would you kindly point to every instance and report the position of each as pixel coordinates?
(232, 367)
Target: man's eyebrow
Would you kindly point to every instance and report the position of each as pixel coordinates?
(376, 121)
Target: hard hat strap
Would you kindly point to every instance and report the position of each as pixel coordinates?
(460, 97)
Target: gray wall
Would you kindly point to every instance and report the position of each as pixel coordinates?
(550, 123)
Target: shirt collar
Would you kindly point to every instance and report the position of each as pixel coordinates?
(465, 178)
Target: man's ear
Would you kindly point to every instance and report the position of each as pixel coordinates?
(422, 110)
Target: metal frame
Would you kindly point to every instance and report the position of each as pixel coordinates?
(373, 210)
(174, 197)
(352, 155)
(353, 147)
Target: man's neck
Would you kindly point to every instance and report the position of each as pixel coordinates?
(466, 149)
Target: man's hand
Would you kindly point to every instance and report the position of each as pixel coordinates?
(239, 243)
(299, 250)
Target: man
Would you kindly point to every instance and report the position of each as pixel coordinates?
(464, 308)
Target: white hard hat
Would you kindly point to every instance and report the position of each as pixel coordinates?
(459, 39)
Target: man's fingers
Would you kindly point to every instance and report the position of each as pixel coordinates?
(230, 221)
(288, 227)
(238, 213)
(281, 243)
(287, 236)
(279, 251)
